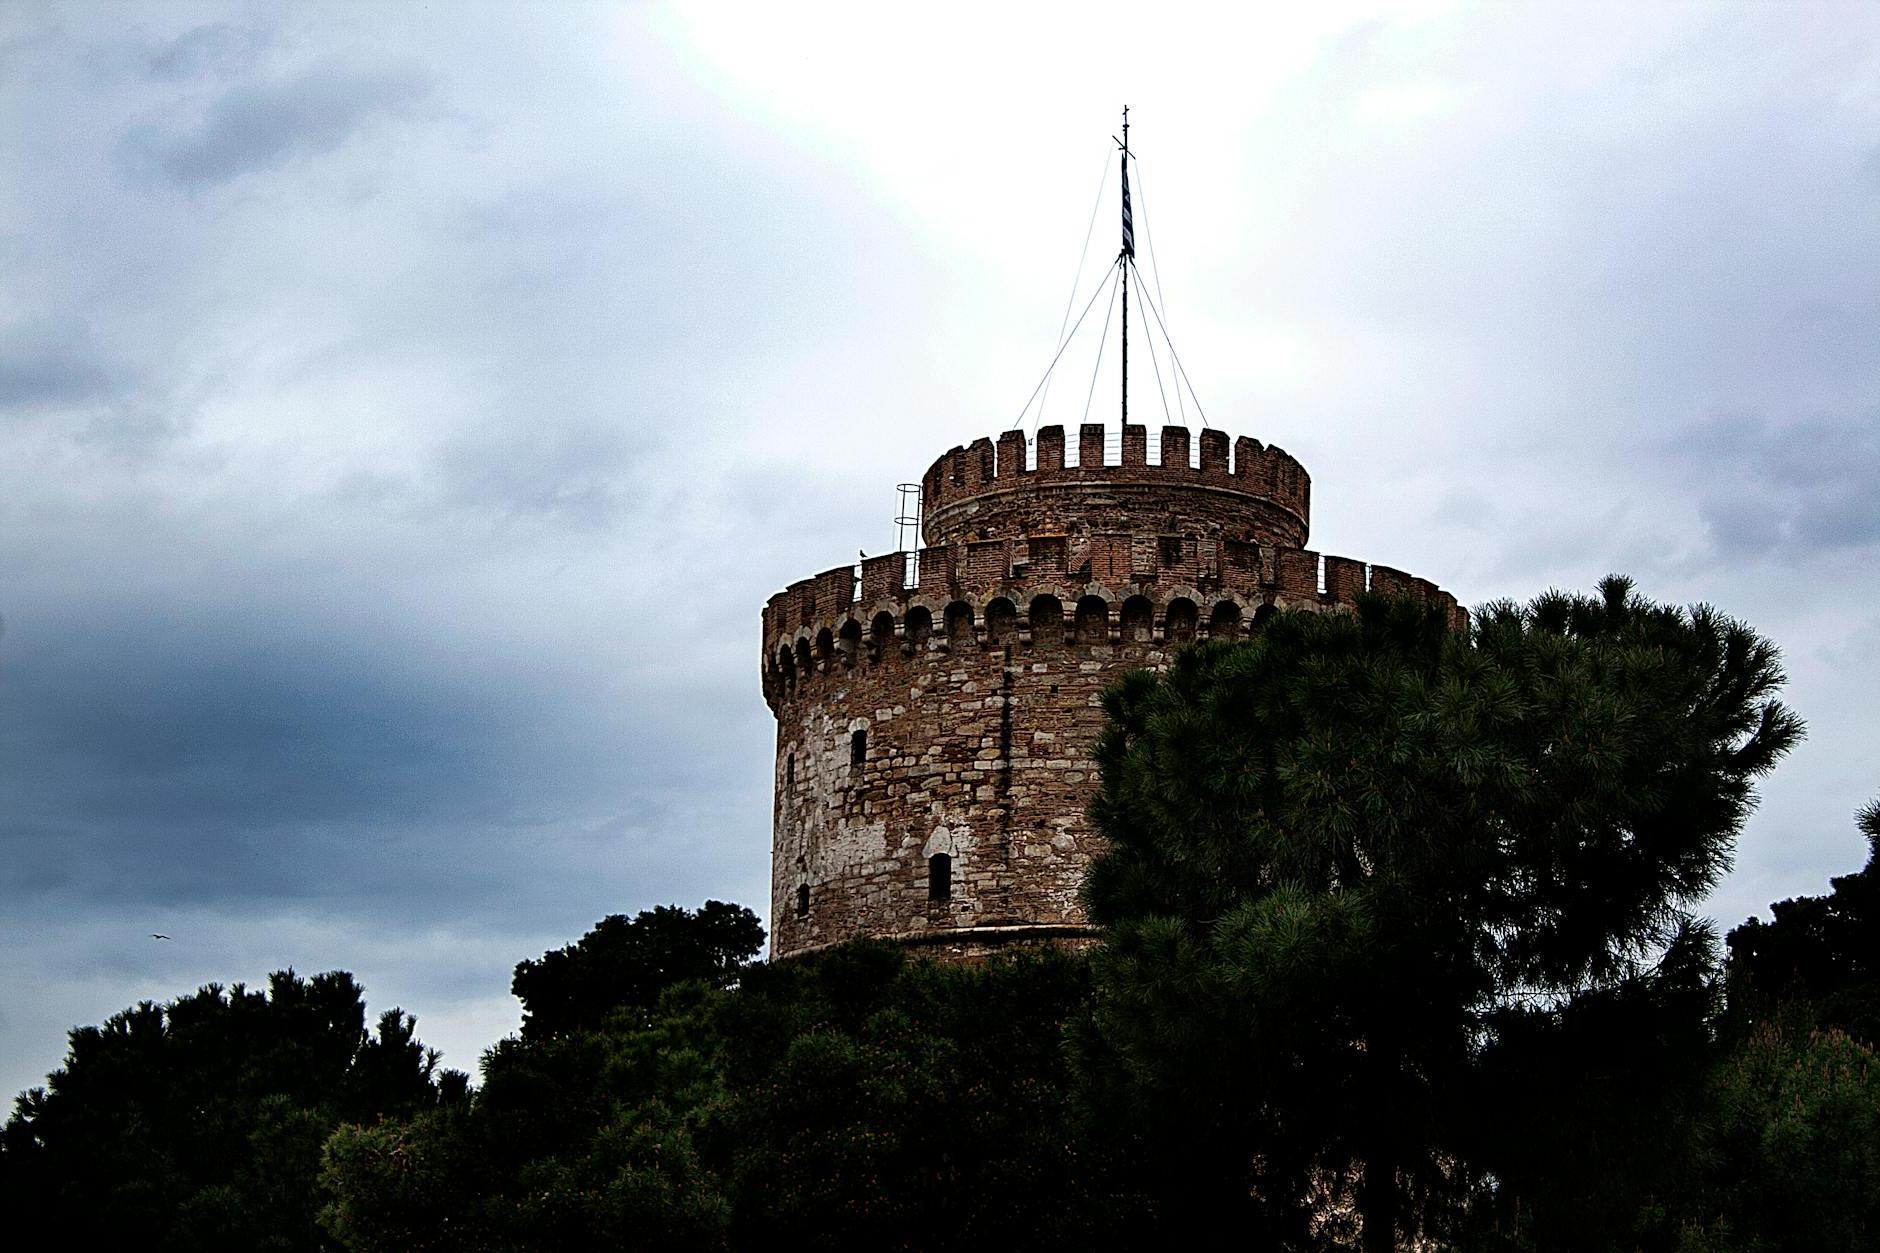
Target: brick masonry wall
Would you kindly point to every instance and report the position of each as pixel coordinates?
(976, 689)
(1238, 490)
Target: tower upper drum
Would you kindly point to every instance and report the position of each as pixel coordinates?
(1260, 495)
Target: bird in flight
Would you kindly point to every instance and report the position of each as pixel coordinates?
(155, 936)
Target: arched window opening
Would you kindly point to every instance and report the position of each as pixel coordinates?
(786, 666)
(804, 662)
(1047, 620)
(1138, 620)
(939, 877)
(858, 748)
(1180, 623)
(919, 627)
(880, 631)
(1224, 622)
(1263, 615)
(802, 900)
(1001, 622)
(849, 641)
(825, 644)
(960, 625)
(1093, 620)
(789, 771)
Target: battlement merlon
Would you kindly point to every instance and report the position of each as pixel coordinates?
(984, 570)
(817, 622)
(1236, 489)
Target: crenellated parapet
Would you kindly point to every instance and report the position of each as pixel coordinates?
(1044, 591)
(1231, 488)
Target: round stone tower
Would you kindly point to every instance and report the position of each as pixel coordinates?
(936, 711)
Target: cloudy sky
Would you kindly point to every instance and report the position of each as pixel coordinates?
(406, 410)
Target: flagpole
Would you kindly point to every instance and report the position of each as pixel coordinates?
(1122, 259)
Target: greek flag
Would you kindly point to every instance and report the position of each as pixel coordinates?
(1129, 227)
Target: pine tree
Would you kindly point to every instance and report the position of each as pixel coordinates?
(1818, 961)
(1338, 851)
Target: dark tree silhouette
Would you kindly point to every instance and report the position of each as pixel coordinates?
(1337, 852)
(624, 964)
(1818, 961)
(198, 1123)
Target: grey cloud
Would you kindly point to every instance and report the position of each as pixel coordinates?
(574, 475)
(1466, 508)
(245, 757)
(206, 758)
(57, 366)
(1847, 516)
(1860, 650)
(50, 362)
(259, 126)
(1812, 484)
(136, 428)
(215, 48)
(1742, 525)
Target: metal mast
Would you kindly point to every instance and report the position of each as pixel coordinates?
(1127, 255)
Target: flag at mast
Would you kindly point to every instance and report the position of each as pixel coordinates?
(1129, 227)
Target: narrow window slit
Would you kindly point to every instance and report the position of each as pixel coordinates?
(939, 877)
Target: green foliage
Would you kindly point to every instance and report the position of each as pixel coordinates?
(198, 1124)
(441, 1182)
(882, 1103)
(1797, 1144)
(852, 1100)
(640, 1184)
(1591, 1112)
(582, 1134)
(399, 1184)
(1818, 962)
(624, 964)
(1789, 1126)
(1346, 855)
